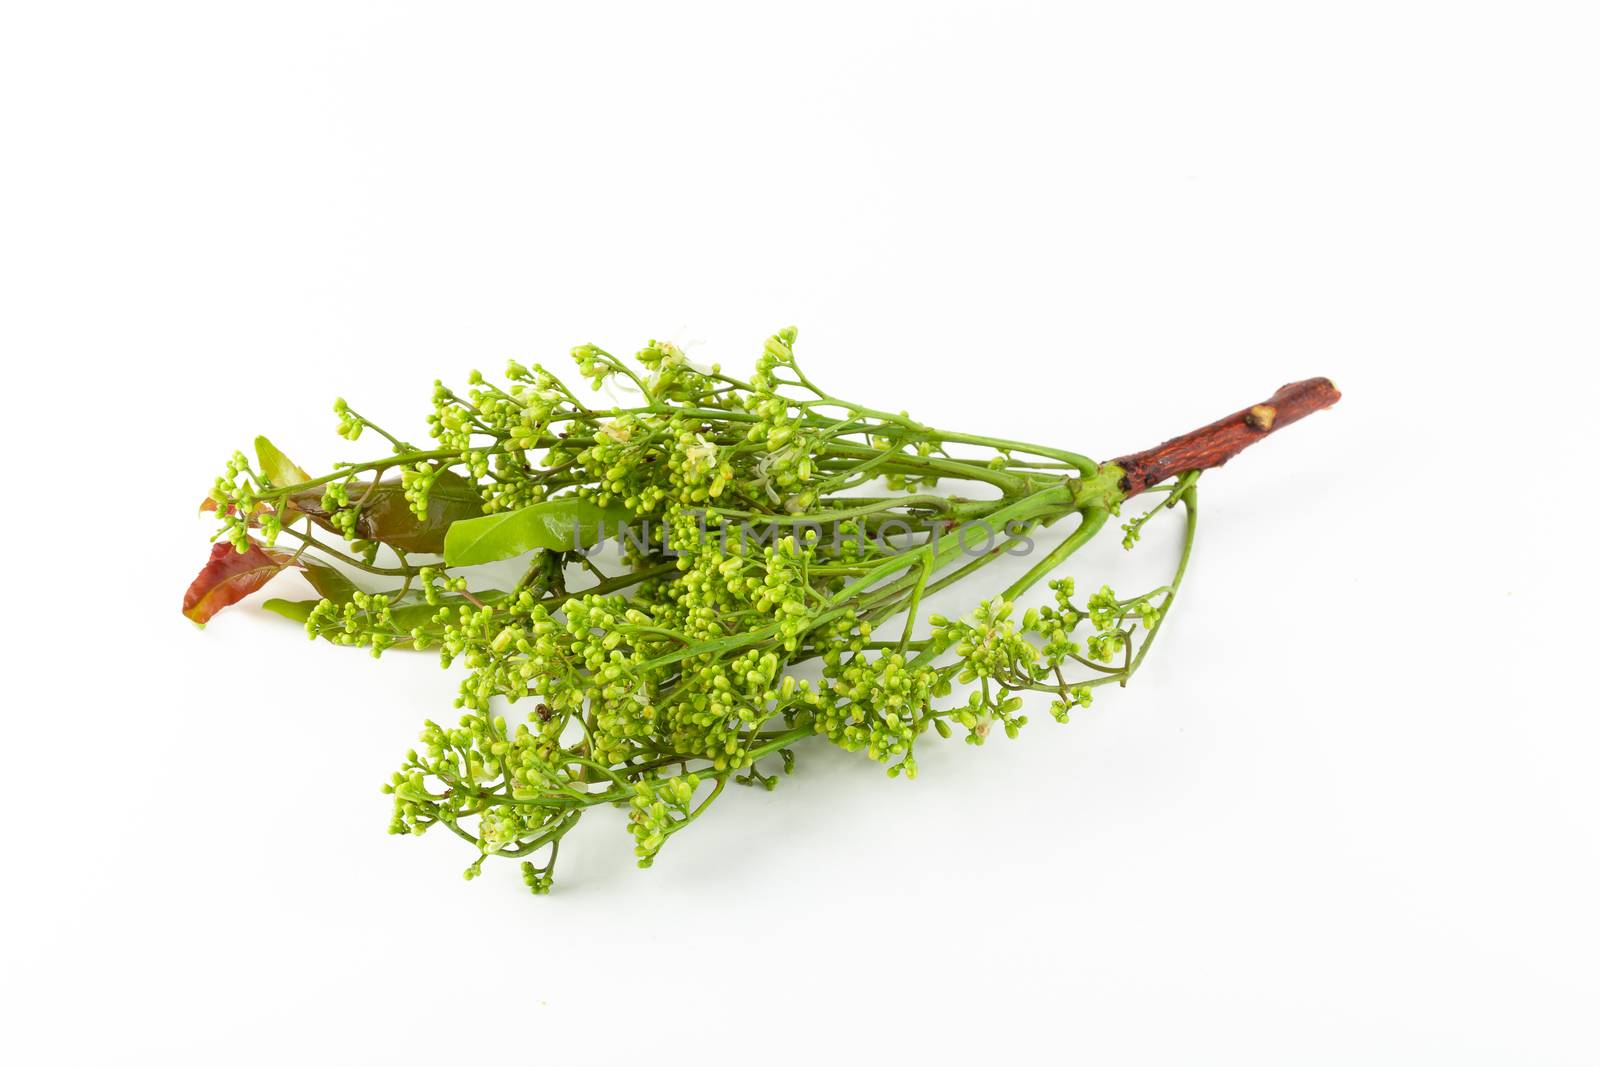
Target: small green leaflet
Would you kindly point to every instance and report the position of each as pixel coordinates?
(280, 470)
(556, 525)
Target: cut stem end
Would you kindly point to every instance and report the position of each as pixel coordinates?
(1213, 445)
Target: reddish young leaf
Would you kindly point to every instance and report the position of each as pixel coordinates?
(229, 576)
(386, 514)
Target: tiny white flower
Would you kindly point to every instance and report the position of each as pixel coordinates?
(702, 452)
(676, 356)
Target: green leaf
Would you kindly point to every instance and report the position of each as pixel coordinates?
(279, 468)
(556, 525)
(387, 517)
(297, 610)
(327, 580)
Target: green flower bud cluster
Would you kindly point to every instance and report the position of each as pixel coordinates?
(1076, 696)
(878, 703)
(1108, 614)
(494, 432)
(1055, 625)
(724, 575)
(365, 620)
(674, 378)
(997, 655)
(777, 352)
(237, 495)
(350, 424)
(596, 365)
(659, 811)
(991, 645)
(620, 464)
(503, 780)
(342, 513)
(417, 482)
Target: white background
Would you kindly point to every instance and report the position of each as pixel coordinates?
(1345, 813)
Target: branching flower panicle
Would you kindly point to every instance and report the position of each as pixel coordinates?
(777, 544)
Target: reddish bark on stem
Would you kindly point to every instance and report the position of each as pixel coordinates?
(1212, 446)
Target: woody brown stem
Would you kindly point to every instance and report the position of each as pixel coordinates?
(1212, 446)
